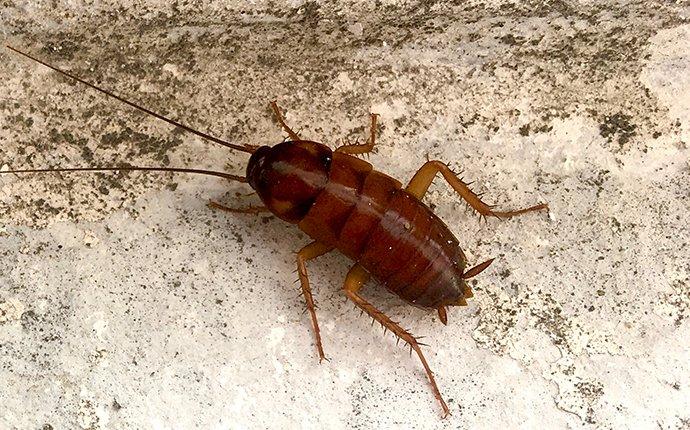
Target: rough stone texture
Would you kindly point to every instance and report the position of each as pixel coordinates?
(126, 303)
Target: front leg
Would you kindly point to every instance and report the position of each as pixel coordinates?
(311, 251)
(281, 120)
(356, 277)
(248, 210)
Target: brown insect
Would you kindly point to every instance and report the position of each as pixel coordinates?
(346, 205)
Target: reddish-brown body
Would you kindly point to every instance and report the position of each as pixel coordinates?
(344, 204)
(392, 234)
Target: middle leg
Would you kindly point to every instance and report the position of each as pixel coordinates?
(309, 252)
(356, 277)
(363, 148)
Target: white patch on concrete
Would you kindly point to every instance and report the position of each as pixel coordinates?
(666, 74)
(11, 310)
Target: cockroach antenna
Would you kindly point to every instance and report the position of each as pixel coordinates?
(244, 148)
(131, 169)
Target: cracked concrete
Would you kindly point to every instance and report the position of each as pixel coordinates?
(126, 303)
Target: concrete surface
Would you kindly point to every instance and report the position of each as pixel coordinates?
(126, 303)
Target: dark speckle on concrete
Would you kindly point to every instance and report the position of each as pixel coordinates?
(618, 126)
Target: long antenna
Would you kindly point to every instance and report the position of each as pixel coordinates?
(244, 148)
(114, 169)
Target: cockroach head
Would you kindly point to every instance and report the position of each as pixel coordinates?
(288, 177)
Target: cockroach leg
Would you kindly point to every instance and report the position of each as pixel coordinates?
(281, 120)
(420, 182)
(247, 210)
(309, 252)
(356, 277)
(363, 148)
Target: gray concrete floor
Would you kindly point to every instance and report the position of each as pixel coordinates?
(126, 303)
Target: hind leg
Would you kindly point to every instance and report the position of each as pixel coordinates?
(281, 120)
(363, 148)
(421, 181)
(356, 277)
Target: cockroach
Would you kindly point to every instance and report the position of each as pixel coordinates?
(345, 205)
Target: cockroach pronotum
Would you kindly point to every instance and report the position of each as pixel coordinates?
(345, 205)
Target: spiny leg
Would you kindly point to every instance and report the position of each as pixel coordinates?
(356, 277)
(363, 148)
(425, 175)
(309, 252)
(281, 120)
(247, 210)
